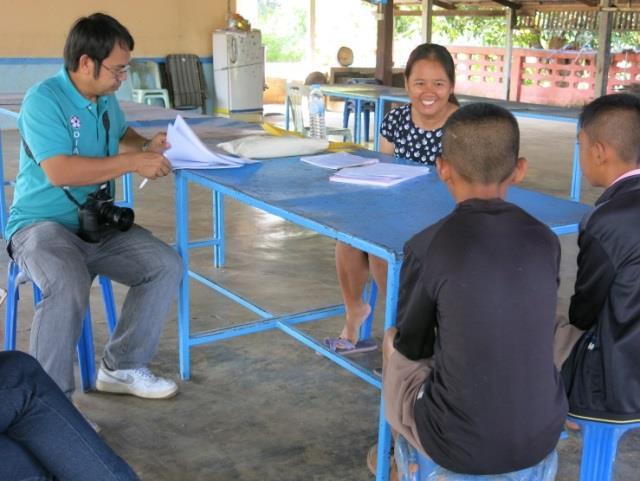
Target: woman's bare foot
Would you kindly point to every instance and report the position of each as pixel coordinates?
(355, 319)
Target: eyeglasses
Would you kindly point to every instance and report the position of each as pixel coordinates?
(118, 72)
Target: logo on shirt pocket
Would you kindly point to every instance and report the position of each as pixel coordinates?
(75, 125)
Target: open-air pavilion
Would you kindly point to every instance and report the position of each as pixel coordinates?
(264, 407)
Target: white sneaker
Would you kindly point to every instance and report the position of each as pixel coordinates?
(140, 382)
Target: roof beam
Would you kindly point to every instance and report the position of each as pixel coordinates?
(557, 8)
(508, 3)
(456, 13)
(590, 3)
(445, 5)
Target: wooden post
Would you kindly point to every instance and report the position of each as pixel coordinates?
(515, 87)
(312, 33)
(427, 20)
(603, 58)
(384, 52)
(508, 52)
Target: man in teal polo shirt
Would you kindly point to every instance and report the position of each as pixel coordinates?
(75, 142)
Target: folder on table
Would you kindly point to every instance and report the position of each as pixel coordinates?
(338, 161)
(381, 174)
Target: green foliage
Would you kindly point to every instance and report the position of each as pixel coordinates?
(625, 40)
(407, 27)
(283, 35)
(486, 31)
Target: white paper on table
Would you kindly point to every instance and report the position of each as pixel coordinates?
(381, 174)
(188, 152)
(338, 161)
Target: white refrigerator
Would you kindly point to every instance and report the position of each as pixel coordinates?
(238, 71)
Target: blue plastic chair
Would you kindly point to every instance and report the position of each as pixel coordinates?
(366, 109)
(414, 466)
(85, 350)
(599, 446)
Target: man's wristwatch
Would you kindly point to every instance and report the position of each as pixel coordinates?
(145, 145)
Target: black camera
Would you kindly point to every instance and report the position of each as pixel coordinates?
(99, 213)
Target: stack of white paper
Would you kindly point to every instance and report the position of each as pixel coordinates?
(338, 161)
(380, 174)
(188, 152)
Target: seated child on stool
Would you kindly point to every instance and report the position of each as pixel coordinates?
(602, 373)
(468, 377)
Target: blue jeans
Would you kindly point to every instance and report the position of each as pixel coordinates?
(414, 466)
(42, 435)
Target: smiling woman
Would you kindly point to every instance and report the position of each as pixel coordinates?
(412, 132)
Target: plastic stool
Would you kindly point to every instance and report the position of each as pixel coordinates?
(599, 446)
(366, 107)
(414, 466)
(86, 355)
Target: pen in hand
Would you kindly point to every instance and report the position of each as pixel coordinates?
(143, 183)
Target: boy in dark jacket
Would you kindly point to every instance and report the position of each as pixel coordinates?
(602, 374)
(468, 376)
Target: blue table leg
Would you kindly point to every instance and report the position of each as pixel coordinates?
(218, 230)
(379, 117)
(182, 240)
(357, 121)
(127, 189)
(384, 430)
(3, 199)
(384, 445)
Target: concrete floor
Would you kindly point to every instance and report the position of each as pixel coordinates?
(263, 407)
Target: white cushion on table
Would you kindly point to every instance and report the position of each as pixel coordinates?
(268, 146)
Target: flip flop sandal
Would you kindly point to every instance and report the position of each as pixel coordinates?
(346, 347)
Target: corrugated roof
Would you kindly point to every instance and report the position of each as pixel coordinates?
(525, 5)
(541, 14)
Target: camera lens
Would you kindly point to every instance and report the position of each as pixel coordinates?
(120, 217)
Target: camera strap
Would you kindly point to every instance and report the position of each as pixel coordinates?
(106, 123)
(70, 197)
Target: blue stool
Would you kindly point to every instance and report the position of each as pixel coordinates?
(413, 466)
(366, 108)
(599, 446)
(86, 355)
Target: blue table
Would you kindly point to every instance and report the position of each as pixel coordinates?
(382, 94)
(519, 109)
(302, 194)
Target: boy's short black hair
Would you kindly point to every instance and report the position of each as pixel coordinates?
(481, 141)
(614, 119)
(94, 36)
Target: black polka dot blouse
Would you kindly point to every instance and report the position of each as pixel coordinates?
(410, 141)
